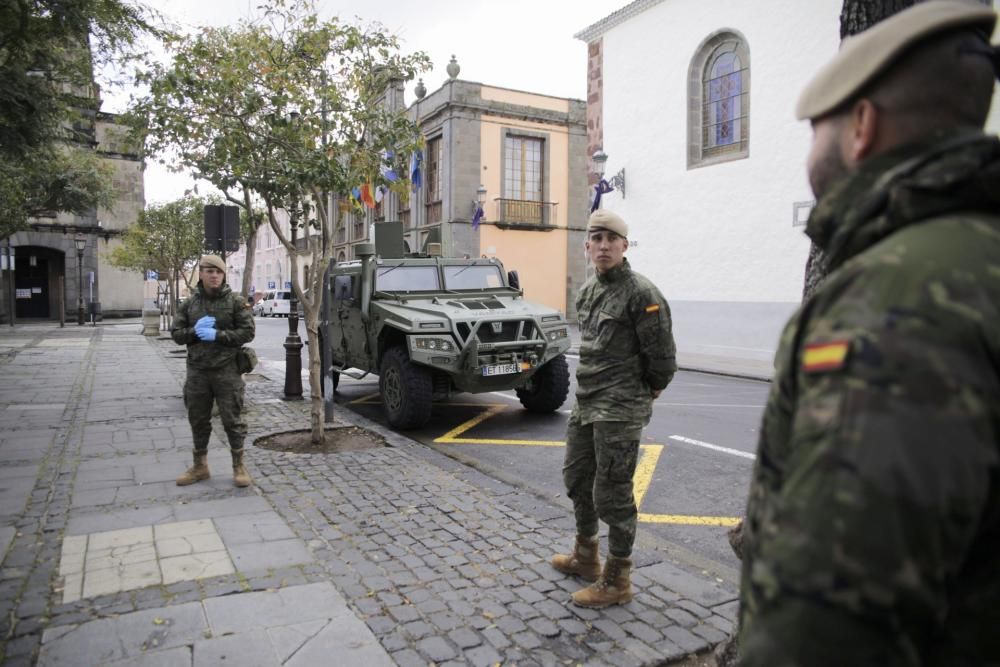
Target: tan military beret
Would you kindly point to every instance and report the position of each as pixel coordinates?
(602, 219)
(867, 54)
(213, 261)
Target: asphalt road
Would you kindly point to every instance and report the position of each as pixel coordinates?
(694, 469)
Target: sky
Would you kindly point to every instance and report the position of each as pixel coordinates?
(521, 44)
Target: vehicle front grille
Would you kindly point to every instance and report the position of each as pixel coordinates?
(510, 331)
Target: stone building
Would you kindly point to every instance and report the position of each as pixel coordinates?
(72, 250)
(524, 154)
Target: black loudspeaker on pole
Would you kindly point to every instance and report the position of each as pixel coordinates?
(222, 228)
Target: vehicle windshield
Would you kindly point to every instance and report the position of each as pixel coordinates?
(402, 278)
(473, 276)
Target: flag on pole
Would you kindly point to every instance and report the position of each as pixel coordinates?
(478, 216)
(415, 160)
(366, 195)
(388, 173)
(380, 193)
(602, 188)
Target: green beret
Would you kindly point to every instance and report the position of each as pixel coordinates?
(212, 261)
(864, 56)
(604, 219)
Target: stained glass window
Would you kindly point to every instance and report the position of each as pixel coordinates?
(719, 100)
(723, 91)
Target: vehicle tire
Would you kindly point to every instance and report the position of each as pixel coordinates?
(547, 389)
(406, 390)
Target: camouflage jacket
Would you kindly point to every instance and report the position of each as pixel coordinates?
(873, 523)
(233, 322)
(627, 348)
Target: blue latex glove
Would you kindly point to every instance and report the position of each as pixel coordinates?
(205, 328)
(206, 333)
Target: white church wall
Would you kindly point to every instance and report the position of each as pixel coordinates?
(718, 240)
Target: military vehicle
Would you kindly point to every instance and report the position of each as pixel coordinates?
(431, 326)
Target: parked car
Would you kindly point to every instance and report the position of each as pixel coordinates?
(275, 303)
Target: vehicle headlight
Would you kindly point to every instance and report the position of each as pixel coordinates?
(557, 334)
(439, 344)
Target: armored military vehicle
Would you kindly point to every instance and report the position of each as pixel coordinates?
(431, 326)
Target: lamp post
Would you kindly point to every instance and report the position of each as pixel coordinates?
(81, 243)
(293, 344)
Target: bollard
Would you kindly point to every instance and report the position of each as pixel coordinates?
(150, 322)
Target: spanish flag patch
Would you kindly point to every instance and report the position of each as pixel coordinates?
(830, 356)
(653, 308)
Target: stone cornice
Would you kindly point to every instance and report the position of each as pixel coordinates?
(597, 30)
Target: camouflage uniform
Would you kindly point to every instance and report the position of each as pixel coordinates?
(872, 534)
(211, 366)
(627, 351)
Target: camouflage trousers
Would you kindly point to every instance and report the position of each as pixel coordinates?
(598, 470)
(224, 387)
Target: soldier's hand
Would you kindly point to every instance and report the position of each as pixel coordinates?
(206, 333)
(655, 393)
(205, 321)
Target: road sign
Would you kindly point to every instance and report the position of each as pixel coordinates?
(270, 284)
(288, 284)
(152, 275)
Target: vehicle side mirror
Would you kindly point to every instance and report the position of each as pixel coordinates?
(513, 280)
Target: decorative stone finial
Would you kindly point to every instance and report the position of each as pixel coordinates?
(453, 67)
(420, 90)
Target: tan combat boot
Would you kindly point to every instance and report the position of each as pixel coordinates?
(198, 471)
(241, 477)
(584, 562)
(614, 586)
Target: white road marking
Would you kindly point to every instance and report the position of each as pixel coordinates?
(708, 445)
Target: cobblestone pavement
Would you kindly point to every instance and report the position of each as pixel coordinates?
(438, 563)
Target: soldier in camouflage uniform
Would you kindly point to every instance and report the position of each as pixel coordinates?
(626, 359)
(872, 534)
(214, 323)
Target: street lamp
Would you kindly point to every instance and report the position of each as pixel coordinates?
(293, 344)
(604, 186)
(81, 243)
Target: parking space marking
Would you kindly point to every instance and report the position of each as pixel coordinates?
(685, 520)
(714, 448)
(644, 469)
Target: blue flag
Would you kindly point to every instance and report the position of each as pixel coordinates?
(478, 217)
(415, 160)
(388, 173)
(602, 188)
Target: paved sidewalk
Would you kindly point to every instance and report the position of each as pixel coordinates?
(388, 556)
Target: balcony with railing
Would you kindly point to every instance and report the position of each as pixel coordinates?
(525, 214)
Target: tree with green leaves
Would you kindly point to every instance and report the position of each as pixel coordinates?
(288, 111)
(48, 53)
(167, 238)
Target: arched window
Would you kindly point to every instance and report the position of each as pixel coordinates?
(719, 100)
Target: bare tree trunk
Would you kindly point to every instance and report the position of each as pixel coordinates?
(255, 225)
(855, 16)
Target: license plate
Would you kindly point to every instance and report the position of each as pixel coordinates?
(501, 369)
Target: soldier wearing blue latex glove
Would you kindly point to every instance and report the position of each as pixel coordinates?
(205, 328)
(222, 323)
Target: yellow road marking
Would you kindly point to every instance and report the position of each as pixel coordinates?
(689, 520)
(644, 470)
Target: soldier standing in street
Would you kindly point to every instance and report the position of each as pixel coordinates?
(626, 359)
(872, 534)
(214, 323)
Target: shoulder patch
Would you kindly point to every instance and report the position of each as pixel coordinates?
(653, 308)
(829, 356)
